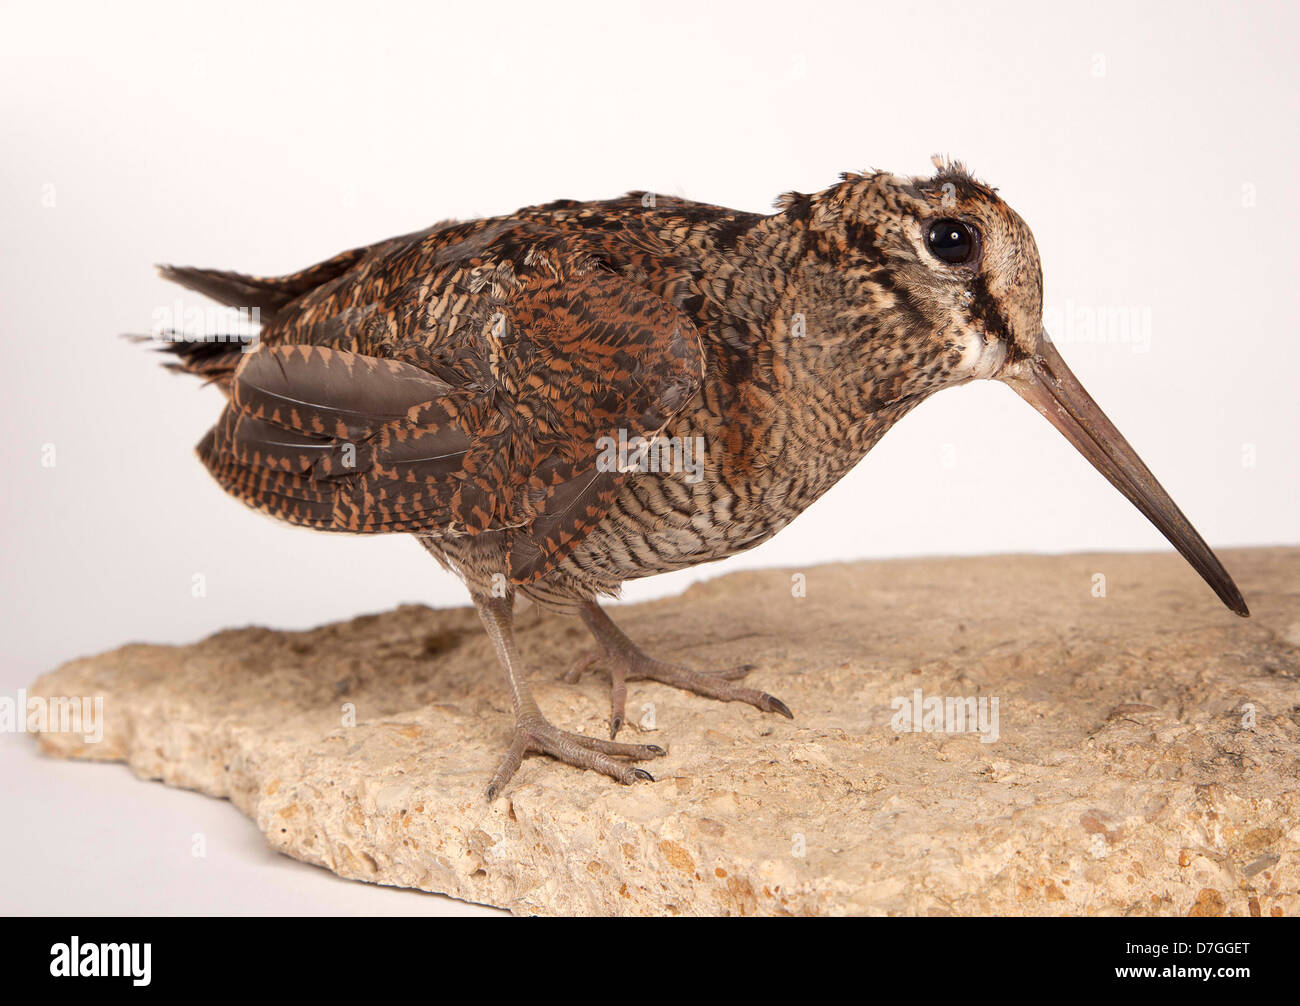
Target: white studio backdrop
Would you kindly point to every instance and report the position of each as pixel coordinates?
(1152, 148)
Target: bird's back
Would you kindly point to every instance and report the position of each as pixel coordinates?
(418, 287)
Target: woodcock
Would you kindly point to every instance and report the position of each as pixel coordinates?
(464, 383)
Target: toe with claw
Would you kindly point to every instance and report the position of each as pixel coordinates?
(535, 734)
(626, 662)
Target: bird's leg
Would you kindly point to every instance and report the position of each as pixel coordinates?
(533, 732)
(626, 662)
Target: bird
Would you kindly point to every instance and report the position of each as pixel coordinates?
(466, 383)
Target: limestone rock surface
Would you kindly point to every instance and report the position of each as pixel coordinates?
(1146, 760)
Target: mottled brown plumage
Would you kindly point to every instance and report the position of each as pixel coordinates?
(456, 384)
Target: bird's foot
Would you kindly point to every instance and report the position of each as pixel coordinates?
(536, 734)
(629, 664)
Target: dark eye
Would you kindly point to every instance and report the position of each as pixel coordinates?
(951, 241)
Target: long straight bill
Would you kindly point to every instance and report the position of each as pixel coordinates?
(1045, 382)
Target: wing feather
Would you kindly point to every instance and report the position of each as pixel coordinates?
(504, 436)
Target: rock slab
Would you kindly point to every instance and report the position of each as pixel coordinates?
(1144, 758)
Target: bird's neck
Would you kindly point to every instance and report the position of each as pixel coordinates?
(794, 366)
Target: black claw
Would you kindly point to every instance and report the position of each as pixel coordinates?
(491, 793)
(614, 726)
(656, 749)
(775, 705)
(640, 773)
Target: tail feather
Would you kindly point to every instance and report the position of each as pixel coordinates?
(216, 361)
(266, 293)
(231, 288)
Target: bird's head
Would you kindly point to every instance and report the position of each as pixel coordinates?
(925, 283)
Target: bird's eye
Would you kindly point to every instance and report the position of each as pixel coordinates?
(951, 241)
